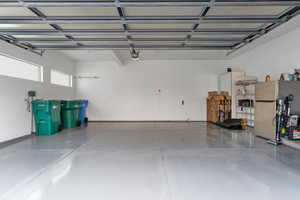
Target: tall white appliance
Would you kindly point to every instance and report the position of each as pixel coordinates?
(226, 82)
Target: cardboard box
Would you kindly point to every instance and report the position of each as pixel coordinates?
(216, 103)
(224, 93)
(213, 93)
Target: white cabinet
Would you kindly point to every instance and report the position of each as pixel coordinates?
(226, 82)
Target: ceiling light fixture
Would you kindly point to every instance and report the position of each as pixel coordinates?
(135, 55)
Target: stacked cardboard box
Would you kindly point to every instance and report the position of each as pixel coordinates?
(218, 106)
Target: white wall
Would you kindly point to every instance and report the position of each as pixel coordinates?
(14, 118)
(280, 55)
(130, 92)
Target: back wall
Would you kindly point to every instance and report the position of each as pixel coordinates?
(148, 90)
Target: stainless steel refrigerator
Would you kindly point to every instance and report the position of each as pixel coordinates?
(266, 94)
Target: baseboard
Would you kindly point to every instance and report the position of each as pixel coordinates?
(143, 121)
(291, 143)
(14, 141)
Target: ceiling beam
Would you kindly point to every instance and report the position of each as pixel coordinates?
(121, 32)
(42, 16)
(121, 13)
(203, 12)
(89, 3)
(122, 47)
(101, 20)
(292, 12)
(162, 17)
(125, 40)
(11, 40)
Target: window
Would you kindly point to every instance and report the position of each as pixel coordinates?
(60, 78)
(19, 69)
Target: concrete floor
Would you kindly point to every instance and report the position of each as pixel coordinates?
(149, 161)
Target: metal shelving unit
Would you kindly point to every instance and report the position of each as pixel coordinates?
(245, 90)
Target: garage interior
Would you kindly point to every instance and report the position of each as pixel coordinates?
(149, 99)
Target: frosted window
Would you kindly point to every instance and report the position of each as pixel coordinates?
(60, 78)
(19, 69)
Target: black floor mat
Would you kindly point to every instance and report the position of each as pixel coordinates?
(231, 124)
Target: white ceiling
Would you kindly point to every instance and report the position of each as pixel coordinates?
(123, 56)
(246, 10)
(86, 55)
(166, 11)
(84, 11)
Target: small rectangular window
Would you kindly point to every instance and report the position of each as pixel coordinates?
(16, 68)
(60, 78)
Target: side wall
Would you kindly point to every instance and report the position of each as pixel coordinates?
(14, 118)
(148, 90)
(280, 55)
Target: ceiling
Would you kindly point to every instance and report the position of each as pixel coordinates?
(123, 56)
(217, 26)
(90, 55)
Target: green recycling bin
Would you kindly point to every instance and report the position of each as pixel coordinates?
(69, 113)
(46, 116)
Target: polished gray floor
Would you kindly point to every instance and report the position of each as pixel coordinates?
(149, 161)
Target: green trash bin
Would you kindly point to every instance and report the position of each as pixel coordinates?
(46, 116)
(69, 113)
